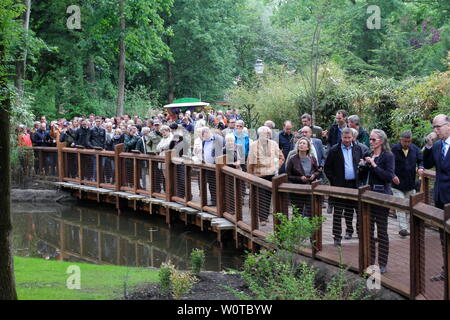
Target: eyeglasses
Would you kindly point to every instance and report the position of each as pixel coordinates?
(238, 126)
(372, 139)
(438, 127)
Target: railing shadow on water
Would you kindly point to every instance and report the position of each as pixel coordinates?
(249, 202)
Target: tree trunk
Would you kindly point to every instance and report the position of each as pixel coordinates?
(22, 59)
(171, 91)
(90, 71)
(121, 94)
(7, 282)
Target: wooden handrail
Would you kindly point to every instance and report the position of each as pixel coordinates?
(421, 212)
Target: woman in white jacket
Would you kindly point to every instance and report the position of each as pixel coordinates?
(164, 144)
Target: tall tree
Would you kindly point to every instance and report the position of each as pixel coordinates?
(121, 86)
(21, 62)
(9, 11)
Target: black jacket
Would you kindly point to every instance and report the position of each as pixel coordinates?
(333, 136)
(111, 143)
(380, 177)
(334, 165)
(81, 136)
(433, 158)
(405, 167)
(96, 137)
(41, 138)
(130, 142)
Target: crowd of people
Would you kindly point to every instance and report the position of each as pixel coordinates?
(344, 155)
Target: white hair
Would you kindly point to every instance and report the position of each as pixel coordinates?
(164, 127)
(264, 129)
(270, 124)
(354, 132)
(145, 130)
(229, 137)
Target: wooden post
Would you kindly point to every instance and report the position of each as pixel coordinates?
(136, 175)
(202, 182)
(41, 162)
(118, 149)
(97, 164)
(220, 185)
(277, 206)
(364, 230)
(80, 172)
(187, 185)
(447, 250)
(238, 199)
(425, 188)
(169, 175)
(417, 252)
(60, 162)
(253, 208)
(316, 211)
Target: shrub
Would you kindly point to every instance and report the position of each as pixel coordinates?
(182, 283)
(197, 260)
(165, 280)
(277, 274)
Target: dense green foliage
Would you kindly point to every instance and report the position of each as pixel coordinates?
(204, 48)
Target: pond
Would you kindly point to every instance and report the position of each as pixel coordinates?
(86, 232)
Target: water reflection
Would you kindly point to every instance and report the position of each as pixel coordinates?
(86, 234)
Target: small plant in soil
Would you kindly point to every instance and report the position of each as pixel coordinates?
(197, 260)
(182, 283)
(277, 274)
(165, 273)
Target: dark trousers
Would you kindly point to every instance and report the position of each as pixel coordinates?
(211, 180)
(343, 207)
(263, 200)
(302, 203)
(439, 204)
(379, 217)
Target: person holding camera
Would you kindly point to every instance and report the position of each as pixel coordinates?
(381, 170)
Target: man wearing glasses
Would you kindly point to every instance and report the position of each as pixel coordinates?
(438, 155)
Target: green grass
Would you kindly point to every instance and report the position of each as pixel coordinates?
(38, 279)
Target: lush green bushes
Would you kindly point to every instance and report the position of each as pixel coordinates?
(387, 104)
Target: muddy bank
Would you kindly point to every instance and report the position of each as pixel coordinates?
(40, 195)
(210, 286)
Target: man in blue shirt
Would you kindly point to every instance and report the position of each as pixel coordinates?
(341, 169)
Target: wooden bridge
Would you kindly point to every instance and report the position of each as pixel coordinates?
(177, 188)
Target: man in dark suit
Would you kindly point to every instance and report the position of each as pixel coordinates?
(341, 169)
(335, 131)
(437, 155)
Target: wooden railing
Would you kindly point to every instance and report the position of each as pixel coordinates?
(244, 199)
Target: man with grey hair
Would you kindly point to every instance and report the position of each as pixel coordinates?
(316, 130)
(408, 159)
(142, 147)
(363, 136)
(212, 147)
(271, 125)
(341, 168)
(364, 148)
(437, 155)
